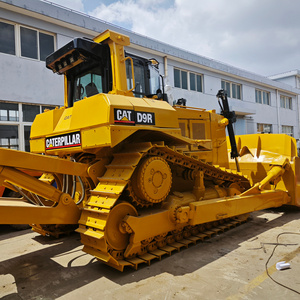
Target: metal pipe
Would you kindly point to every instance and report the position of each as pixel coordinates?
(83, 190)
(22, 193)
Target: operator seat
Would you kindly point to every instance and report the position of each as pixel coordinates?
(91, 89)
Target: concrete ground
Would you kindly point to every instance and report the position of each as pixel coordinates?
(228, 266)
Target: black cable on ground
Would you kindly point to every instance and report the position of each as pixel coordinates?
(266, 265)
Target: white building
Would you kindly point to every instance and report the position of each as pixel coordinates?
(31, 29)
(291, 78)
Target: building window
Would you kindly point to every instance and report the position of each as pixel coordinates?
(286, 102)
(15, 130)
(9, 112)
(187, 80)
(196, 82)
(27, 137)
(46, 43)
(264, 128)
(36, 45)
(289, 130)
(9, 137)
(28, 43)
(233, 89)
(180, 79)
(7, 38)
(262, 97)
(29, 112)
(25, 42)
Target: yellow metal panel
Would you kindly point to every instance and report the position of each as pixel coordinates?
(183, 124)
(37, 145)
(45, 123)
(96, 137)
(199, 130)
(114, 36)
(165, 115)
(185, 112)
(120, 133)
(63, 124)
(90, 112)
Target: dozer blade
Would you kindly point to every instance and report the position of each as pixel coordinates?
(42, 163)
(14, 211)
(63, 209)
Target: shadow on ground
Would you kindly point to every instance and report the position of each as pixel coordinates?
(37, 274)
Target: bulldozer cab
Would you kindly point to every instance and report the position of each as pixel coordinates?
(91, 67)
(146, 75)
(87, 68)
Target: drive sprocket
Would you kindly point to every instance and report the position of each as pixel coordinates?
(152, 180)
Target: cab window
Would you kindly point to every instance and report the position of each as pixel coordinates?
(87, 85)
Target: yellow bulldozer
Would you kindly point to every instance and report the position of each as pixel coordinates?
(137, 177)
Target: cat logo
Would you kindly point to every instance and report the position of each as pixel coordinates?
(131, 117)
(124, 116)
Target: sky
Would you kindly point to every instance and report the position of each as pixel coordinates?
(260, 36)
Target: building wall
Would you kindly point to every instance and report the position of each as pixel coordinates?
(290, 80)
(247, 109)
(27, 80)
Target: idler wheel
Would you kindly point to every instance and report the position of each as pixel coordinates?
(152, 180)
(115, 232)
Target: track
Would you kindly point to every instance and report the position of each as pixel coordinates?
(99, 225)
